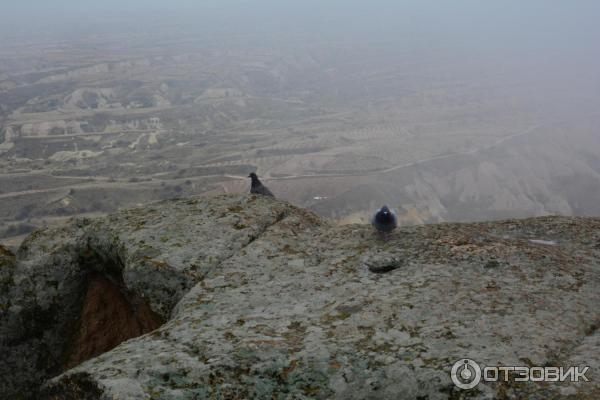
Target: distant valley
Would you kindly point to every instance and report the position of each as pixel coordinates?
(91, 126)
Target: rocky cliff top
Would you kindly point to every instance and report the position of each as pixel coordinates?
(238, 297)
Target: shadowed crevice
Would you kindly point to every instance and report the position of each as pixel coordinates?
(109, 315)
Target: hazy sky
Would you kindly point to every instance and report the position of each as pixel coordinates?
(500, 21)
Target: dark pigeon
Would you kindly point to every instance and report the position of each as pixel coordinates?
(257, 186)
(385, 220)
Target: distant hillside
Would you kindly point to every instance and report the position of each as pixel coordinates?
(553, 169)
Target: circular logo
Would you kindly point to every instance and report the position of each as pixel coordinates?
(465, 374)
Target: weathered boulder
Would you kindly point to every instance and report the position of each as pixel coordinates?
(239, 297)
(75, 292)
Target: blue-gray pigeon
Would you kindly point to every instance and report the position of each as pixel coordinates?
(257, 187)
(385, 220)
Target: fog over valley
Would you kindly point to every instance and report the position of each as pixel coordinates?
(445, 111)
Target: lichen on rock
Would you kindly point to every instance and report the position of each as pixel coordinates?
(261, 299)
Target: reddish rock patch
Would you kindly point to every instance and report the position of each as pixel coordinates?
(109, 316)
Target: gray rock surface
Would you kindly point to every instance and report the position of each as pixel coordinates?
(264, 300)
